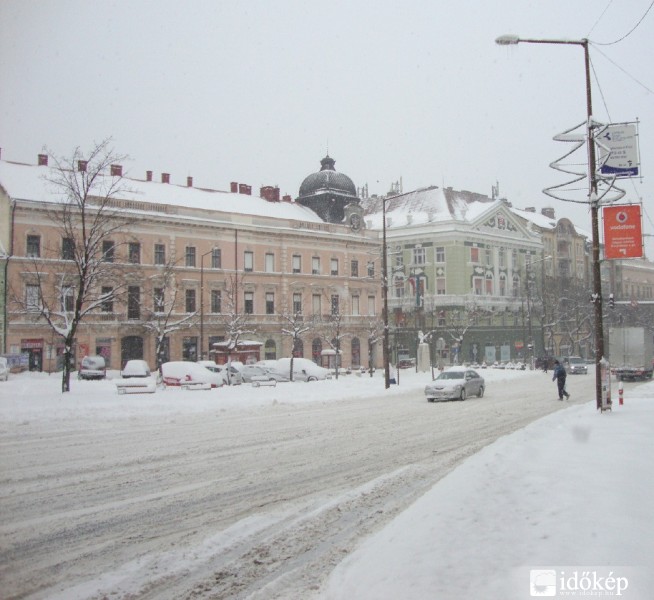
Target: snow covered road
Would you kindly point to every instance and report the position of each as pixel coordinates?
(233, 493)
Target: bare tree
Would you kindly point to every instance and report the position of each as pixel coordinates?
(164, 317)
(87, 216)
(375, 332)
(294, 327)
(236, 319)
(331, 328)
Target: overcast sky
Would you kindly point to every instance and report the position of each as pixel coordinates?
(258, 91)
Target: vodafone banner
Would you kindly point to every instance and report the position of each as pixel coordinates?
(623, 236)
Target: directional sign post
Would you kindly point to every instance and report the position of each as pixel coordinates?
(618, 150)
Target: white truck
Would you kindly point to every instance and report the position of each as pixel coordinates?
(631, 351)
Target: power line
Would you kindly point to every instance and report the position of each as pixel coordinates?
(629, 32)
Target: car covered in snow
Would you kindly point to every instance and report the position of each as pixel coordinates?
(92, 367)
(457, 383)
(135, 368)
(303, 369)
(184, 373)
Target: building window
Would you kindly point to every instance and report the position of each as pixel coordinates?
(134, 253)
(33, 246)
(440, 254)
(190, 301)
(32, 298)
(159, 254)
(315, 304)
(68, 248)
(398, 285)
(270, 303)
(489, 256)
(355, 306)
(190, 348)
(514, 258)
(216, 259)
(315, 265)
(190, 256)
(270, 263)
(216, 301)
(107, 305)
(133, 302)
(441, 319)
(335, 304)
(297, 263)
(108, 250)
(502, 284)
(159, 300)
(68, 299)
(371, 306)
(249, 303)
(502, 257)
(354, 268)
(270, 350)
(489, 286)
(334, 266)
(477, 286)
(371, 269)
(297, 303)
(248, 261)
(399, 257)
(474, 255)
(440, 286)
(419, 256)
(515, 292)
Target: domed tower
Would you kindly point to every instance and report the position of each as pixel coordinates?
(331, 195)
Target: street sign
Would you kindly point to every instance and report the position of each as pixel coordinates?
(618, 150)
(623, 236)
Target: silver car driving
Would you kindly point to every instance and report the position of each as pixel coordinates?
(457, 383)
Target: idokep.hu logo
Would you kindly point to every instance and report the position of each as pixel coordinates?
(576, 583)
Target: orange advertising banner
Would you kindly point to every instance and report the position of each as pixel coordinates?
(623, 236)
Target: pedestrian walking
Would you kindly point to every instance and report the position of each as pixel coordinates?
(560, 377)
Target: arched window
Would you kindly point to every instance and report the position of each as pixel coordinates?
(515, 292)
(502, 284)
(131, 348)
(298, 351)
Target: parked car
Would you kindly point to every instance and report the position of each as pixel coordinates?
(4, 369)
(457, 383)
(92, 367)
(575, 365)
(303, 369)
(252, 373)
(230, 374)
(135, 368)
(185, 372)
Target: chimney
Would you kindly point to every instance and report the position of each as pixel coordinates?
(276, 194)
(43, 160)
(148, 175)
(530, 209)
(189, 181)
(233, 187)
(165, 178)
(81, 165)
(242, 188)
(287, 198)
(116, 170)
(248, 190)
(548, 212)
(267, 192)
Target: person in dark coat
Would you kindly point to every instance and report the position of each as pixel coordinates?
(560, 376)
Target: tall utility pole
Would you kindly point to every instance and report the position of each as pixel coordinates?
(592, 200)
(387, 371)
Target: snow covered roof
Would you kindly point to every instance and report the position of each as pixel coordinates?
(427, 205)
(30, 182)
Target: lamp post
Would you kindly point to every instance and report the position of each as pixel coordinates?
(592, 200)
(387, 371)
(202, 302)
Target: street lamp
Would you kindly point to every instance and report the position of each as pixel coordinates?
(592, 200)
(202, 302)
